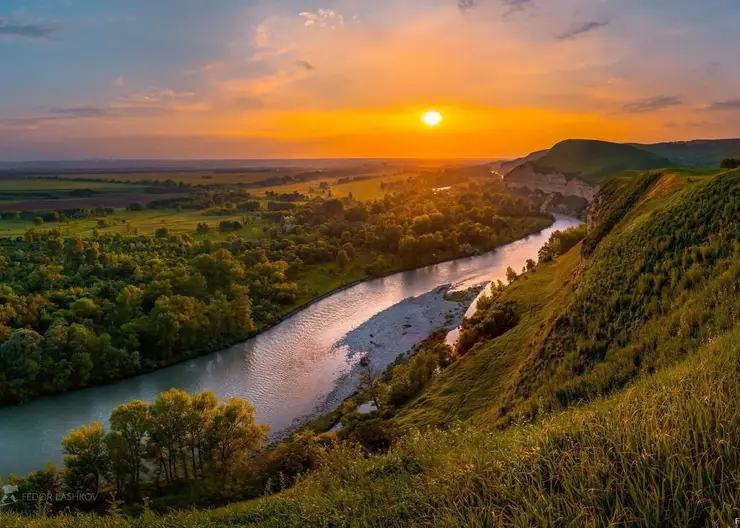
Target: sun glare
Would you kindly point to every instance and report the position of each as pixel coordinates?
(432, 118)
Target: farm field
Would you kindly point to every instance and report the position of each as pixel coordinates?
(364, 189)
(139, 222)
(189, 177)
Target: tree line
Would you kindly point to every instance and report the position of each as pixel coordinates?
(80, 311)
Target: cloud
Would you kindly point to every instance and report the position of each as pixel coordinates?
(517, 5)
(731, 104)
(305, 65)
(651, 104)
(79, 111)
(120, 82)
(582, 29)
(14, 29)
(511, 5)
(156, 96)
(323, 18)
(204, 68)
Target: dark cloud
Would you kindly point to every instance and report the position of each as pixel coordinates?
(464, 5)
(79, 111)
(305, 64)
(732, 104)
(582, 29)
(650, 104)
(512, 5)
(517, 5)
(10, 28)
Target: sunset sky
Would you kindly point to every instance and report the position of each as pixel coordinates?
(336, 78)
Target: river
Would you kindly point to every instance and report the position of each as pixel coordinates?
(286, 372)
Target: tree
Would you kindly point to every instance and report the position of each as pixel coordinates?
(202, 410)
(234, 433)
(343, 259)
(730, 163)
(531, 265)
(373, 387)
(129, 424)
(333, 207)
(170, 412)
(86, 458)
(511, 275)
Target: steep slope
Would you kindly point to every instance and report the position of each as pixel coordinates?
(617, 392)
(662, 275)
(578, 167)
(507, 166)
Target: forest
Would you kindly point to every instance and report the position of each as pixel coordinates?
(85, 310)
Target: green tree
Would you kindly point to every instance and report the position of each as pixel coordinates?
(511, 275)
(130, 424)
(372, 386)
(233, 434)
(86, 458)
(343, 259)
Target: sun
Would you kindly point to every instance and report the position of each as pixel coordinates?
(432, 118)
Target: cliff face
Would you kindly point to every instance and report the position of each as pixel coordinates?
(526, 176)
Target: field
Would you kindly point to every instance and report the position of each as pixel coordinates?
(119, 190)
(140, 222)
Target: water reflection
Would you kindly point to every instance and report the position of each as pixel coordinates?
(286, 372)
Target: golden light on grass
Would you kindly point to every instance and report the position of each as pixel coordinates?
(432, 118)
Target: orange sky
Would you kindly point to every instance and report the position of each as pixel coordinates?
(349, 80)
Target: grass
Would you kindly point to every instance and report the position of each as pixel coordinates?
(473, 385)
(204, 177)
(614, 401)
(665, 452)
(597, 161)
(22, 189)
(364, 190)
(146, 222)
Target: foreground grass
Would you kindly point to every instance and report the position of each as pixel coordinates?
(474, 385)
(665, 452)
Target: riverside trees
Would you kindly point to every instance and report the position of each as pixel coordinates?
(176, 439)
(78, 311)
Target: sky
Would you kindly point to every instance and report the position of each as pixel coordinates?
(195, 79)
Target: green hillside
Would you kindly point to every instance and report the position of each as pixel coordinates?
(700, 153)
(596, 161)
(612, 401)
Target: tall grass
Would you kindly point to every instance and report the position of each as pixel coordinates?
(665, 452)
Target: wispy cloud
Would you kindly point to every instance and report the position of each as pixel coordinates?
(517, 5)
(305, 65)
(651, 104)
(464, 5)
(731, 104)
(582, 29)
(10, 28)
(204, 68)
(79, 111)
(120, 82)
(323, 18)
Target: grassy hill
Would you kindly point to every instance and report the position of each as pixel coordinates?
(595, 161)
(700, 153)
(613, 401)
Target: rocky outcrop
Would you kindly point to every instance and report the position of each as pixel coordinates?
(526, 176)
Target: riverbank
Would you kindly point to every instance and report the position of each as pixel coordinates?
(389, 335)
(285, 371)
(396, 269)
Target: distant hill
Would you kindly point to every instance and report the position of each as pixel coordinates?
(593, 161)
(507, 166)
(700, 153)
